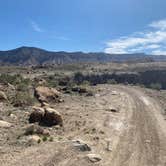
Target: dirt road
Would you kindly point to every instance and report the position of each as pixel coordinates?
(143, 144)
(137, 133)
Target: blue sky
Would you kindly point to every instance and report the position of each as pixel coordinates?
(113, 26)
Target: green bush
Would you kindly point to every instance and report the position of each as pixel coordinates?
(17, 80)
(112, 81)
(22, 99)
(78, 77)
(39, 140)
(51, 139)
(44, 138)
(156, 86)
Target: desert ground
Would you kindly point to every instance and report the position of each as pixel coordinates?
(114, 125)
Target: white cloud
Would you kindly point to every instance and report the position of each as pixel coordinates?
(35, 26)
(159, 24)
(151, 41)
(159, 52)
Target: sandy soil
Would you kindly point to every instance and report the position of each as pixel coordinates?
(136, 134)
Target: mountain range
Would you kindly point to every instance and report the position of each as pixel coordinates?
(31, 56)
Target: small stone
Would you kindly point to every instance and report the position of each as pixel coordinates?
(3, 96)
(114, 93)
(112, 109)
(4, 124)
(33, 138)
(13, 116)
(82, 146)
(147, 141)
(94, 157)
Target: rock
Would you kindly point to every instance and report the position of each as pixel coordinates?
(3, 96)
(112, 109)
(37, 115)
(83, 90)
(46, 116)
(11, 86)
(94, 157)
(82, 146)
(52, 117)
(45, 94)
(44, 104)
(5, 124)
(34, 139)
(13, 116)
(114, 93)
(34, 129)
(97, 95)
(42, 82)
(79, 89)
(108, 148)
(147, 141)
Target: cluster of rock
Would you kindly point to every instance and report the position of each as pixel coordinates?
(84, 147)
(46, 116)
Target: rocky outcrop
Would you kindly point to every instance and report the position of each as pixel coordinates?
(46, 94)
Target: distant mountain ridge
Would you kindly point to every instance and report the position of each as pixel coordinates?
(31, 56)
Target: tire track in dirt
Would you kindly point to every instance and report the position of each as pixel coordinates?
(142, 144)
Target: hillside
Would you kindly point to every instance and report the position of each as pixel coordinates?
(31, 56)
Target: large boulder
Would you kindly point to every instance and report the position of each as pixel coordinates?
(2, 96)
(37, 115)
(46, 94)
(52, 117)
(46, 116)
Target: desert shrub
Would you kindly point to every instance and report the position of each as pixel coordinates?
(156, 86)
(44, 138)
(52, 83)
(17, 80)
(6, 78)
(112, 81)
(39, 141)
(79, 78)
(23, 86)
(51, 139)
(22, 99)
(86, 82)
(65, 81)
